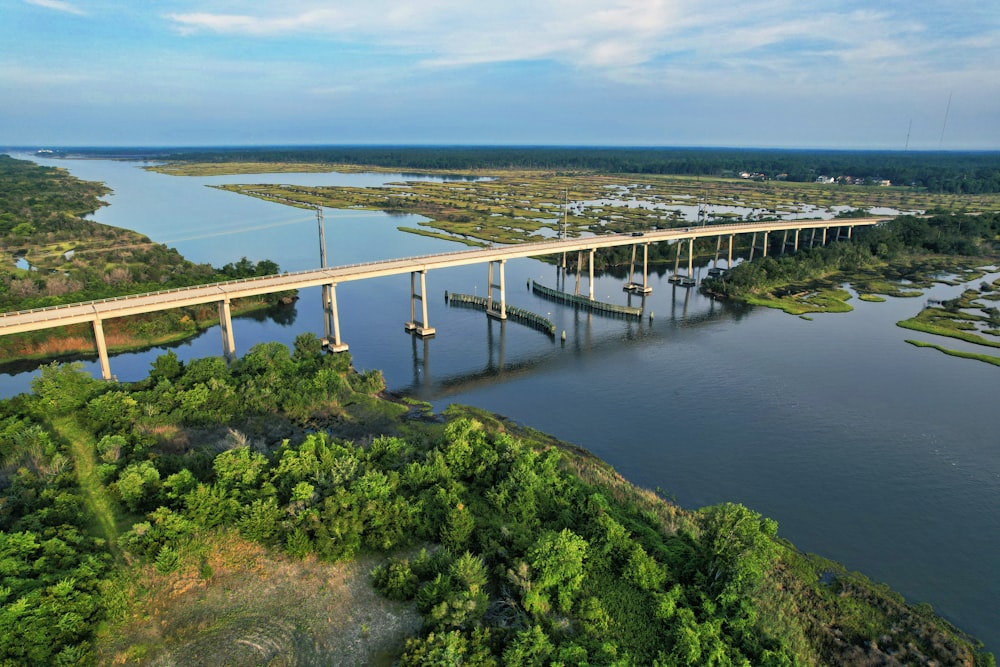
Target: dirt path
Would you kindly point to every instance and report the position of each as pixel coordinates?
(82, 447)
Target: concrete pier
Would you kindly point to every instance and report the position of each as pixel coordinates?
(331, 320)
(226, 329)
(419, 327)
(497, 308)
(102, 349)
(631, 285)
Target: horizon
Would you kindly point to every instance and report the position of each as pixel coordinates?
(911, 75)
(179, 148)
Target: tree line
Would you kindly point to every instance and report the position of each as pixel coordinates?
(963, 172)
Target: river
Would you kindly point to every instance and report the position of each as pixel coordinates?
(865, 449)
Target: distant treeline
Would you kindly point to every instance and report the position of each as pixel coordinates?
(936, 171)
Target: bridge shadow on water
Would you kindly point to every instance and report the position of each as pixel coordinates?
(680, 323)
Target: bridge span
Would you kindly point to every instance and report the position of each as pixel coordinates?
(223, 293)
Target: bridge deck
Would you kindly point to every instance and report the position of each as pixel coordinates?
(91, 311)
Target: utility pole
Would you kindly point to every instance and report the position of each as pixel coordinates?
(322, 237)
(328, 325)
(565, 214)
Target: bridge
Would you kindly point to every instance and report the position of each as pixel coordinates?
(222, 293)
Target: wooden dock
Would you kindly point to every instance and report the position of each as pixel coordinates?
(521, 315)
(586, 303)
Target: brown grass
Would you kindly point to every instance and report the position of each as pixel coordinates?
(235, 602)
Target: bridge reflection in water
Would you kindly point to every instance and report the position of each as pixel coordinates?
(583, 342)
(95, 312)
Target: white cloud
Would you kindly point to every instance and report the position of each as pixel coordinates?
(58, 5)
(610, 37)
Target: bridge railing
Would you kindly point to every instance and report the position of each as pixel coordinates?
(381, 262)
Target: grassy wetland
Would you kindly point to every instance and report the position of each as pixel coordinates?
(510, 206)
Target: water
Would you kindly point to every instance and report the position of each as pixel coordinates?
(865, 449)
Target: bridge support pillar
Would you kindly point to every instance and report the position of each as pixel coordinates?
(226, 328)
(631, 271)
(796, 247)
(730, 264)
(784, 242)
(579, 268)
(764, 249)
(753, 245)
(491, 308)
(331, 320)
(646, 289)
(102, 349)
(688, 280)
(823, 242)
(812, 237)
(418, 327)
(590, 267)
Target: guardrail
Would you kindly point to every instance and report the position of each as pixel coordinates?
(518, 250)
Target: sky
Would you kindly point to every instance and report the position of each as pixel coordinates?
(843, 74)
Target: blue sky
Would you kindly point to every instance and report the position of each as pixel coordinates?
(781, 73)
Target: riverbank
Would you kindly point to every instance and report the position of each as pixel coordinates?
(295, 468)
(127, 334)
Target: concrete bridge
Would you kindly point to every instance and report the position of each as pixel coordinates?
(223, 293)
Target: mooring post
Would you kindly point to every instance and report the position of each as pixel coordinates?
(226, 328)
(102, 348)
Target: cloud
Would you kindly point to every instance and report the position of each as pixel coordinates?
(613, 38)
(58, 5)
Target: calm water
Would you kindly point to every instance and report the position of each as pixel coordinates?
(865, 449)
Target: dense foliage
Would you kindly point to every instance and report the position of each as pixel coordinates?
(75, 259)
(944, 234)
(515, 550)
(958, 172)
(71, 259)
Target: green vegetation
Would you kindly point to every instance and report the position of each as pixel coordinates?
(819, 301)
(248, 502)
(514, 206)
(952, 172)
(72, 259)
(894, 259)
(954, 319)
(958, 353)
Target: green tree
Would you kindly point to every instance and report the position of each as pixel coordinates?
(556, 560)
(138, 486)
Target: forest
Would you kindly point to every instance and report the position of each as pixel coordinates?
(967, 172)
(51, 254)
(892, 243)
(513, 548)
